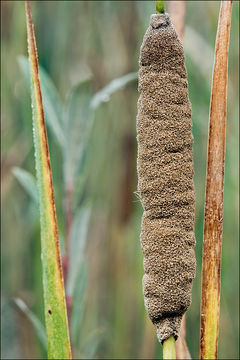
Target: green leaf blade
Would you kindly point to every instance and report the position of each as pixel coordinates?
(51, 100)
(116, 84)
(38, 326)
(54, 295)
(78, 121)
(27, 181)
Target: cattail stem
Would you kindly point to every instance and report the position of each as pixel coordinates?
(160, 6)
(212, 244)
(169, 348)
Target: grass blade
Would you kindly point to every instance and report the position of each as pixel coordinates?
(77, 121)
(38, 326)
(51, 100)
(54, 296)
(78, 302)
(27, 181)
(212, 244)
(116, 84)
(77, 246)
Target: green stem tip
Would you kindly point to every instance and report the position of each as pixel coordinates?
(169, 348)
(160, 6)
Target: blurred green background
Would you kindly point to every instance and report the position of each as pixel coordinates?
(101, 39)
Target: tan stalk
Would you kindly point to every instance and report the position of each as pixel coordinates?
(182, 351)
(177, 10)
(213, 219)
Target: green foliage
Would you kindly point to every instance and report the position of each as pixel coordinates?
(78, 120)
(77, 247)
(27, 181)
(103, 95)
(51, 100)
(78, 302)
(74, 119)
(58, 342)
(38, 326)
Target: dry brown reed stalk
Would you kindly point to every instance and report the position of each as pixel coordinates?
(213, 219)
(165, 177)
(177, 10)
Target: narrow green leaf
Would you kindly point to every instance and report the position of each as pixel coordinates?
(91, 344)
(78, 301)
(11, 346)
(116, 84)
(38, 326)
(54, 295)
(51, 100)
(78, 120)
(27, 181)
(77, 246)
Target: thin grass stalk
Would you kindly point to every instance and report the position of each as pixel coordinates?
(53, 285)
(213, 219)
(66, 258)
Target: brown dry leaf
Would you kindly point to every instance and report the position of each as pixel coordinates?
(212, 244)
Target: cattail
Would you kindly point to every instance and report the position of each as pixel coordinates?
(165, 177)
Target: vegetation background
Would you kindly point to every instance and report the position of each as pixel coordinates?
(102, 39)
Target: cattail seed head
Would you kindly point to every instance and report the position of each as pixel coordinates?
(165, 177)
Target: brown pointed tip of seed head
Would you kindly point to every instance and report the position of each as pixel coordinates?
(159, 20)
(167, 327)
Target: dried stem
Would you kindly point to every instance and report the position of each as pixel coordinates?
(177, 10)
(212, 244)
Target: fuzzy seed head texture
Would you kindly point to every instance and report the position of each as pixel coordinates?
(165, 177)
